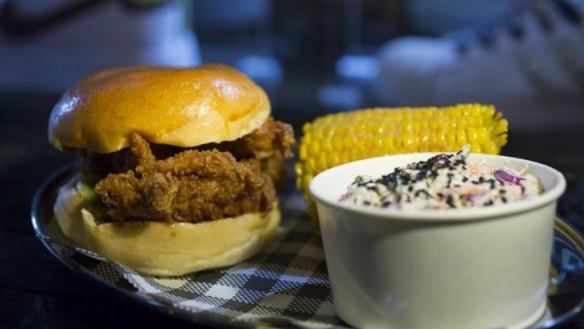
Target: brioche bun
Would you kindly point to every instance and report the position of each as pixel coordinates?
(183, 107)
(159, 248)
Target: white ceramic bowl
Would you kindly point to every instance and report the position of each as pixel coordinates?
(462, 268)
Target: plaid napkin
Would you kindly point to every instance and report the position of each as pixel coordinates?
(285, 286)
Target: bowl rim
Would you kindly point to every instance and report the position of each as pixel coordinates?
(446, 215)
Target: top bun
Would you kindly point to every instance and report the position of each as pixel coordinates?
(183, 107)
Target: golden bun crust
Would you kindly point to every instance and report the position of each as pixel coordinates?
(163, 249)
(183, 107)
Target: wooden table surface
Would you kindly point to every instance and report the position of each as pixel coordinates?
(37, 291)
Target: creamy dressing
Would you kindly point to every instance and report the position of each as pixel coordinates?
(442, 182)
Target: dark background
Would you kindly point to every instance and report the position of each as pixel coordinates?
(306, 38)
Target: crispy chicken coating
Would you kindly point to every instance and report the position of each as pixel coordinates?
(272, 137)
(270, 144)
(190, 186)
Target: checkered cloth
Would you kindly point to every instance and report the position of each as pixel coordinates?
(285, 286)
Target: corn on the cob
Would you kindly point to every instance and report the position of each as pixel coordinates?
(342, 137)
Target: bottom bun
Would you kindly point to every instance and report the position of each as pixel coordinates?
(159, 248)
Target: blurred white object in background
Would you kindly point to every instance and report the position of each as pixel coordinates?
(104, 34)
(532, 58)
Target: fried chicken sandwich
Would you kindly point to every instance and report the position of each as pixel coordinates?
(178, 167)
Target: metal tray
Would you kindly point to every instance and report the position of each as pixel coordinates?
(286, 285)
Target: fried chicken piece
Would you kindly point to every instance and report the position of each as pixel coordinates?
(271, 144)
(191, 186)
(272, 137)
